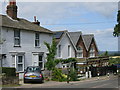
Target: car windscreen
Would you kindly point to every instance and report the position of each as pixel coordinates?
(33, 69)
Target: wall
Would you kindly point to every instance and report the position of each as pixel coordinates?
(27, 45)
(81, 43)
(65, 41)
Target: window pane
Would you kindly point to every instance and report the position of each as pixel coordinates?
(59, 50)
(20, 67)
(40, 64)
(80, 54)
(36, 42)
(68, 50)
(40, 58)
(17, 41)
(20, 59)
(79, 48)
(17, 33)
(36, 35)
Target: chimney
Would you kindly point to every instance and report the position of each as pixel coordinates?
(12, 9)
(36, 21)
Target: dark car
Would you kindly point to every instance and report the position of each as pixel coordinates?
(33, 74)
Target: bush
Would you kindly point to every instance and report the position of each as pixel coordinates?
(73, 75)
(9, 71)
(57, 75)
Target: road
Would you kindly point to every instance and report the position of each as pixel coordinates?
(104, 82)
(108, 83)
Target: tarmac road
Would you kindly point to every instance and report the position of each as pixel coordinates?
(103, 82)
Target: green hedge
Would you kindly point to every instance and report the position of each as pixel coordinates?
(9, 71)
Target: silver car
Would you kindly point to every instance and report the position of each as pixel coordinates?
(33, 74)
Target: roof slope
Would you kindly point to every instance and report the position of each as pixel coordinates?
(58, 35)
(21, 24)
(87, 39)
(75, 36)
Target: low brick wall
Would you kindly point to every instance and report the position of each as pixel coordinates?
(10, 80)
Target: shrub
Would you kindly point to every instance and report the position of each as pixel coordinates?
(9, 71)
(57, 75)
(73, 75)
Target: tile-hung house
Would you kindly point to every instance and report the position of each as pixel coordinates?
(22, 41)
(75, 45)
(86, 46)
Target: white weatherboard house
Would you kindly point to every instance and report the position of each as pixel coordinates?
(21, 41)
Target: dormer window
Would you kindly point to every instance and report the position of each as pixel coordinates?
(16, 37)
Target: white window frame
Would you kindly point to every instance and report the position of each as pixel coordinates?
(17, 37)
(22, 63)
(59, 51)
(69, 51)
(41, 61)
(79, 50)
(92, 52)
(35, 61)
(37, 40)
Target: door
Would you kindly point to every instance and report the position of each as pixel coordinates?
(35, 60)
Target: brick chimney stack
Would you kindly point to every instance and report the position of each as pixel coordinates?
(12, 9)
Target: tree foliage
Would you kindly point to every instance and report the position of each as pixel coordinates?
(114, 61)
(50, 64)
(116, 32)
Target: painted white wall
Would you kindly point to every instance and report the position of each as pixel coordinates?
(27, 45)
(65, 41)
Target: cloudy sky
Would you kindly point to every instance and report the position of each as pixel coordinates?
(98, 18)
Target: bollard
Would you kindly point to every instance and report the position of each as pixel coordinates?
(98, 75)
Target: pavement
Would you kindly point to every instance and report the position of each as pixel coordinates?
(55, 83)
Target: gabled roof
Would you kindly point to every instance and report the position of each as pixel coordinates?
(87, 39)
(75, 36)
(21, 24)
(59, 34)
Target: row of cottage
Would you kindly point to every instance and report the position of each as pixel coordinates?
(22, 42)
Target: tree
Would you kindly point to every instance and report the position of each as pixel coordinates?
(50, 64)
(114, 61)
(116, 32)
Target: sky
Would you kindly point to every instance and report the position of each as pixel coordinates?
(98, 18)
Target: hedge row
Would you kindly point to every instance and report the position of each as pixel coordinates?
(9, 71)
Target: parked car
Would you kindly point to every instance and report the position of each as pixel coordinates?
(33, 74)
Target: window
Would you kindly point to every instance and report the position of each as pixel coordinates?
(40, 61)
(37, 39)
(13, 60)
(68, 50)
(92, 52)
(20, 63)
(59, 51)
(17, 37)
(80, 52)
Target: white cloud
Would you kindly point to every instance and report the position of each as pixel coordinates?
(103, 8)
(104, 39)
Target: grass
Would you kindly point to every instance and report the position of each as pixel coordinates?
(9, 85)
